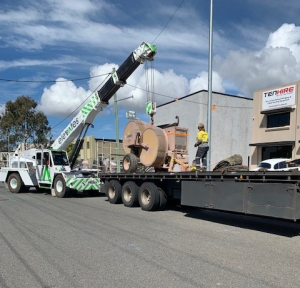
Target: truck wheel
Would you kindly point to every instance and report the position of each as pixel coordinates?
(130, 194)
(130, 163)
(114, 192)
(163, 199)
(149, 196)
(14, 183)
(60, 188)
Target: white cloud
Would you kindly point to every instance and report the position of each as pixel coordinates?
(62, 98)
(2, 109)
(201, 82)
(277, 63)
(37, 62)
(92, 24)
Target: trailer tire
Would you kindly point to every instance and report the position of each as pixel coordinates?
(130, 163)
(130, 192)
(60, 188)
(149, 196)
(14, 183)
(163, 199)
(114, 192)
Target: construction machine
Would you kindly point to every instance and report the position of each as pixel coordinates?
(50, 168)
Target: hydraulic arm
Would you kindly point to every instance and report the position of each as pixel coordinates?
(99, 100)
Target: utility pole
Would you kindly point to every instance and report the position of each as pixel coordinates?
(7, 136)
(209, 100)
(117, 132)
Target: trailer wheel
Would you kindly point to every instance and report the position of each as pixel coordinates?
(149, 196)
(114, 192)
(60, 187)
(130, 193)
(163, 199)
(14, 183)
(130, 162)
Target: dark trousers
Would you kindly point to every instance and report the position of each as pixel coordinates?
(201, 154)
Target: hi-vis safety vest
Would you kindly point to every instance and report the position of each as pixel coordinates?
(203, 136)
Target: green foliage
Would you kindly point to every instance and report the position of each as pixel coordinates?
(69, 149)
(22, 123)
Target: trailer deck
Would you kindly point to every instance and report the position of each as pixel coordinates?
(270, 193)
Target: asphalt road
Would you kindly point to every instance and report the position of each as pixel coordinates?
(88, 242)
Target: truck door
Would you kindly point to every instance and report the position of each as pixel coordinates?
(43, 165)
(39, 166)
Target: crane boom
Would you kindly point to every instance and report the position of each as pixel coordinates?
(99, 100)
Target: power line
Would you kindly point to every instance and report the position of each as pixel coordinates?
(190, 101)
(168, 22)
(80, 104)
(52, 81)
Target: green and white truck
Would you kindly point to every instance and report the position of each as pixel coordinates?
(50, 168)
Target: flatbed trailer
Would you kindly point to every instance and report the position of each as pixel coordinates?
(271, 193)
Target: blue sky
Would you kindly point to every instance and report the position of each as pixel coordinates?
(256, 45)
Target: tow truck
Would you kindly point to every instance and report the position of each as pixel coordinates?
(50, 168)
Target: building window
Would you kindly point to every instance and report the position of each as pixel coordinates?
(276, 152)
(278, 120)
(88, 145)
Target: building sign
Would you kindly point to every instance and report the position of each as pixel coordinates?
(279, 98)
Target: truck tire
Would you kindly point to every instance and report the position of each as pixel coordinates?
(163, 199)
(114, 192)
(149, 196)
(60, 187)
(130, 163)
(130, 193)
(14, 183)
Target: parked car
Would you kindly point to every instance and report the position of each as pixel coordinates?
(276, 164)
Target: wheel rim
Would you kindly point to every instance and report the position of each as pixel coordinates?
(126, 164)
(146, 197)
(127, 194)
(111, 192)
(13, 183)
(59, 186)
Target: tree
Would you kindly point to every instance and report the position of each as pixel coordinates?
(70, 149)
(22, 123)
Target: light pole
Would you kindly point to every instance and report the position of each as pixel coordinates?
(117, 128)
(7, 136)
(210, 84)
(117, 131)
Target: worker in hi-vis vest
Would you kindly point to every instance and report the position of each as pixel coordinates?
(202, 144)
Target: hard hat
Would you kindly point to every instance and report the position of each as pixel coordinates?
(200, 125)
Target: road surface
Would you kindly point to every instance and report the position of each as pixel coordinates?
(88, 242)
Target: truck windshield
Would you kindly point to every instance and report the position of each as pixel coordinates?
(60, 158)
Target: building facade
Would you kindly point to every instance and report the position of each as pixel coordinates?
(276, 123)
(231, 122)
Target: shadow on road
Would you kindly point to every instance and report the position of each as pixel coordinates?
(279, 227)
(84, 194)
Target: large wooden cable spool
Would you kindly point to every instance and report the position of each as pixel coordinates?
(130, 133)
(156, 142)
